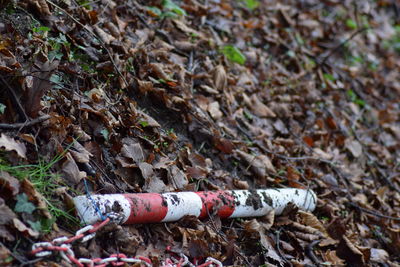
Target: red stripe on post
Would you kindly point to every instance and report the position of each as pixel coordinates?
(221, 202)
(146, 208)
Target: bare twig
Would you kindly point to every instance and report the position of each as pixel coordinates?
(310, 252)
(14, 98)
(374, 213)
(342, 44)
(14, 126)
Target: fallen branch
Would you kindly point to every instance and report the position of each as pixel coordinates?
(20, 125)
(169, 207)
(374, 213)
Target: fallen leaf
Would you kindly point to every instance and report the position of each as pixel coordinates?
(6, 218)
(40, 85)
(146, 169)
(219, 78)
(70, 170)
(348, 251)
(10, 144)
(5, 256)
(132, 150)
(213, 109)
(28, 188)
(9, 183)
(177, 177)
(260, 109)
(379, 255)
(105, 37)
(79, 153)
(21, 227)
(354, 147)
(258, 164)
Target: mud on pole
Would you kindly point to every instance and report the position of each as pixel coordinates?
(169, 207)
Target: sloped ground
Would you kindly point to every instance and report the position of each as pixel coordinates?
(157, 96)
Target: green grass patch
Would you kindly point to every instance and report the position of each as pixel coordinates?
(46, 183)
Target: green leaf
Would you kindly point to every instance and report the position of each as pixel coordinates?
(154, 10)
(37, 226)
(329, 77)
(105, 133)
(144, 123)
(57, 80)
(351, 24)
(170, 5)
(23, 205)
(251, 4)
(2, 108)
(41, 29)
(46, 224)
(351, 95)
(360, 102)
(233, 54)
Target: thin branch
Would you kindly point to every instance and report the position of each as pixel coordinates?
(374, 213)
(14, 98)
(14, 126)
(342, 44)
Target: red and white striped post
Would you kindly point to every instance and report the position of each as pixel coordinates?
(169, 207)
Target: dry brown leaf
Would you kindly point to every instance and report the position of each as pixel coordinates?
(80, 153)
(354, 147)
(21, 227)
(259, 108)
(259, 164)
(158, 70)
(34, 196)
(208, 89)
(6, 218)
(41, 6)
(252, 226)
(5, 255)
(183, 27)
(71, 171)
(348, 251)
(330, 257)
(38, 87)
(28, 138)
(213, 109)
(311, 220)
(146, 169)
(10, 144)
(132, 150)
(104, 37)
(9, 183)
(176, 177)
(220, 78)
(154, 184)
(240, 184)
(270, 251)
(113, 29)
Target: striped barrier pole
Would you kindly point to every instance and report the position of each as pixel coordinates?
(170, 207)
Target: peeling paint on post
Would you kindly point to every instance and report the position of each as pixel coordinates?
(169, 207)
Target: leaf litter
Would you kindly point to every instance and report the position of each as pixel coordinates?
(160, 96)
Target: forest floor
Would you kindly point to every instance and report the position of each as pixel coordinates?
(115, 96)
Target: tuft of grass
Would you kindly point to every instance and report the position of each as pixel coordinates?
(46, 183)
